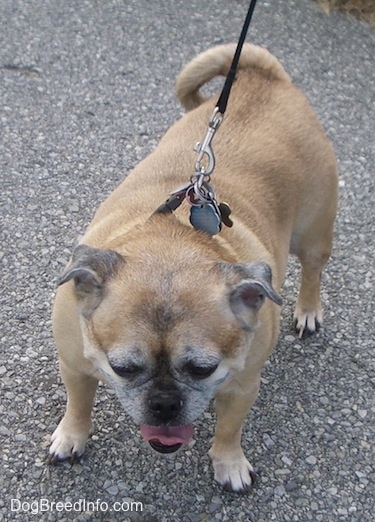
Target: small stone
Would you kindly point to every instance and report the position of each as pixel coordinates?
(37, 473)
(74, 206)
(291, 485)
(282, 471)
(3, 370)
(279, 491)
(362, 413)
(31, 353)
(267, 441)
(286, 461)
(140, 487)
(214, 506)
(311, 460)
(112, 490)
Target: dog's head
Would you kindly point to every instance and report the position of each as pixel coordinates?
(166, 329)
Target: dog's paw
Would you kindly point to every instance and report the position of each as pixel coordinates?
(67, 444)
(236, 476)
(307, 322)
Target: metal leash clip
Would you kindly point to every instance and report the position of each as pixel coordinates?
(205, 212)
(205, 149)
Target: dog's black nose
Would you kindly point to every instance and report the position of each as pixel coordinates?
(165, 406)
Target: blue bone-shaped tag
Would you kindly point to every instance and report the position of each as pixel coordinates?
(205, 218)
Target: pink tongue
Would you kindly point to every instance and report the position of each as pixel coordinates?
(168, 435)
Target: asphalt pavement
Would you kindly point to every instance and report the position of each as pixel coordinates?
(86, 91)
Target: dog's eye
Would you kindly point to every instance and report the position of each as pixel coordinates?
(200, 371)
(132, 370)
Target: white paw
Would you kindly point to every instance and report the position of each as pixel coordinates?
(237, 476)
(307, 322)
(67, 444)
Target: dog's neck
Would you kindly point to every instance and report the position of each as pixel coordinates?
(182, 239)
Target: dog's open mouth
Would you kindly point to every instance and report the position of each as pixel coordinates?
(163, 448)
(167, 439)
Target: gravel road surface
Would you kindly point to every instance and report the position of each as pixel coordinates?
(86, 91)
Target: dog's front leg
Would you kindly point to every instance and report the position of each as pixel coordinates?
(69, 438)
(232, 469)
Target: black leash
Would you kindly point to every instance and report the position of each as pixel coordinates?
(206, 213)
(224, 96)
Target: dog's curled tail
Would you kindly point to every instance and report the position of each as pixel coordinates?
(216, 62)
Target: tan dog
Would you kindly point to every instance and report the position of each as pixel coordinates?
(172, 317)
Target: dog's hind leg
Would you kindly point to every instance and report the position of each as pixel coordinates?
(313, 249)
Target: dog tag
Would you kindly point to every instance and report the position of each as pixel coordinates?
(225, 212)
(206, 218)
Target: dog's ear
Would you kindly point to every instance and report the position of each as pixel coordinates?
(91, 268)
(249, 285)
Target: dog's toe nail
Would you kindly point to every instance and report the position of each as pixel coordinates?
(304, 330)
(254, 477)
(245, 488)
(228, 487)
(74, 458)
(52, 460)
